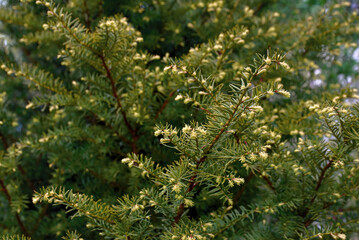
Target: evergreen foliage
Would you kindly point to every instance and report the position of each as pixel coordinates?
(153, 119)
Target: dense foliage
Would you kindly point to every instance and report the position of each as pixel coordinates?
(168, 119)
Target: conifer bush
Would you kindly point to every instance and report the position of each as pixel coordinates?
(187, 120)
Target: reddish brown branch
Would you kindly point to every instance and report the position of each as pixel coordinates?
(29, 182)
(206, 110)
(190, 187)
(165, 103)
(179, 214)
(20, 168)
(321, 178)
(319, 183)
(262, 5)
(4, 142)
(39, 218)
(114, 92)
(87, 16)
(240, 192)
(3, 226)
(192, 181)
(123, 113)
(8, 197)
(125, 140)
(6, 192)
(270, 184)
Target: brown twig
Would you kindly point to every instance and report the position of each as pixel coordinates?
(8, 197)
(109, 76)
(39, 218)
(321, 178)
(29, 182)
(97, 118)
(318, 185)
(192, 181)
(206, 110)
(4, 142)
(6, 192)
(119, 104)
(268, 181)
(165, 103)
(3, 226)
(87, 16)
(262, 5)
(100, 11)
(240, 192)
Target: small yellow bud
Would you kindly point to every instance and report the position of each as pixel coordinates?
(285, 65)
(126, 160)
(268, 61)
(165, 140)
(178, 97)
(158, 132)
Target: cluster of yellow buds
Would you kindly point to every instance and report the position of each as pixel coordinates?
(271, 32)
(260, 129)
(222, 39)
(284, 65)
(2, 97)
(187, 100)
(189, 237)
(140, 56)
(137, 207)
(39, 2)
(167, 134)
(342, 4)
(338, 164)
(217, 47)
(262, 69)
(247, 71)
(49, 197)
(110, 24)
(215, 6)
(248, 12)
(301, 144)
(263, 155)
(273, 136)
(45, 26)
(176, 188)
(296, 132)
(128, 161)
(193, 133)
(179, 97)
(336, 99)
(44, 139)
(253, 157)
(188, 202)
(283, 93)
(9, 70)
(238, 181)
(298, 170)
(256, 109)
(323, 111)
(176, 69)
